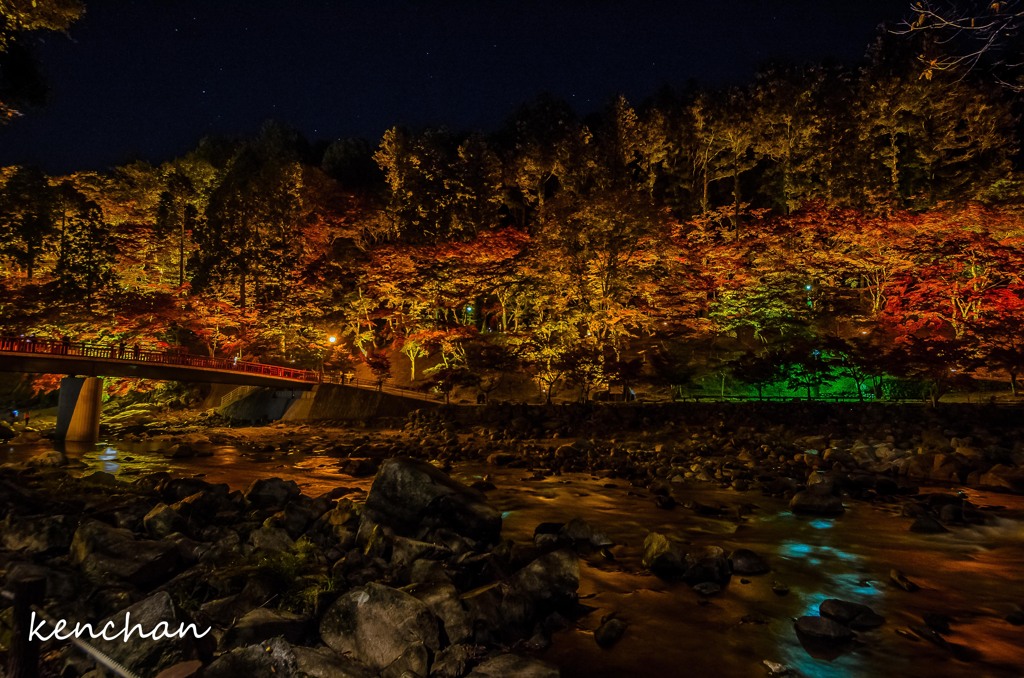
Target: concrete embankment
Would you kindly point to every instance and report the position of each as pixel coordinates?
(326, 401)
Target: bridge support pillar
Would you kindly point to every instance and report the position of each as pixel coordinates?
(78, 411)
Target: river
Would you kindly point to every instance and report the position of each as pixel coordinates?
(974, 575)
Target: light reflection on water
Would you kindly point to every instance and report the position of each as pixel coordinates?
(109, 458)
(974, 574)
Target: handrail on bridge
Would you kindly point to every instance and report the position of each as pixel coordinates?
(136, 354)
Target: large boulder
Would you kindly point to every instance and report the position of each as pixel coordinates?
(555, 576)
(547, 584)
(104, 553)
(412, 497)
(162, 520)
(444, 601)
(41, 534)
(271, 493)
(147, 656)
(376, 624)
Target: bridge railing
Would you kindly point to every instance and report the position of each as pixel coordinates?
(137, 354)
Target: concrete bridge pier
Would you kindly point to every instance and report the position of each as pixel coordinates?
(78, 410)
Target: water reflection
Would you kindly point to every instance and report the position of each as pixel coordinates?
(815, 554)
(109, 458)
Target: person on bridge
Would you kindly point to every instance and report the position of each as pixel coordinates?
(65, 344)
(135, 351)
(120, 349)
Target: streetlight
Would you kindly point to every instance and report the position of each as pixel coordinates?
(332, 340)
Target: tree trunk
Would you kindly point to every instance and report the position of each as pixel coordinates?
(181, 253)
(736, 195)
(894, 171)
(704, 188)
(241, 290)
(63, 240)
(1013, 384)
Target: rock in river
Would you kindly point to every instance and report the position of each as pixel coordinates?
(815, 501)
(104, 552)
(271, 493)
(822, 629)
(661, 556)
(413, 497)
(376, 624)
(608, 633)
(854, 615)
(745, 561)
(146, 656)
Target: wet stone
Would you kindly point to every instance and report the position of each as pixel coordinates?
(375, 624)
(817, 502)
(901, 580)
(745, 561)
(609, 633)
(822, 629)
(854, 615)
(661, 556)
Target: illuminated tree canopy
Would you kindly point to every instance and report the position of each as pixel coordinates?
(820, 225)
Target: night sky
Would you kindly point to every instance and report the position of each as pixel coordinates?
(148, 78)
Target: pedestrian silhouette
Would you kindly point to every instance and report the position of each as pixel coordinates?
(135, 352)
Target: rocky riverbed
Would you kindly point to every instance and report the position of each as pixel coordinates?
(735, 546)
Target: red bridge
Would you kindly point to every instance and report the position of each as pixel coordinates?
(44, 356)
(81, 392)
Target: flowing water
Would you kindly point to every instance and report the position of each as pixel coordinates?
(974, 575)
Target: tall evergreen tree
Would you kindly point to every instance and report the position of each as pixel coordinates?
(26, 218)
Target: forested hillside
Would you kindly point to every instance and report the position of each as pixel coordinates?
(821, 223)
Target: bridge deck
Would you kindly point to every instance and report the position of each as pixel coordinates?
(43, 356)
